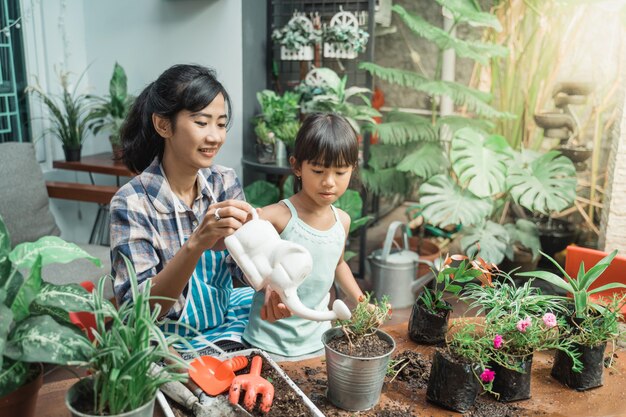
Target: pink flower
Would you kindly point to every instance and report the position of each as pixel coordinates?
(523, 324)
(498, 341)
(549, 320)
(488, 375)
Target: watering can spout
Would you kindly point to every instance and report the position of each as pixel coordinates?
(340, 309)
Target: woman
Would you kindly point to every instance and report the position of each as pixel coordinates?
(171, 219)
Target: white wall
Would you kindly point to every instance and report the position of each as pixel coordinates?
(145, 37)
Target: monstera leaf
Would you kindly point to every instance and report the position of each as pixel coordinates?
(261, 193)
(445, 203)
(524, 232)
(480, 161)
(546, 184)
(489, 241)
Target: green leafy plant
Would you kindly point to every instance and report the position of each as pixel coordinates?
(579, 287)
(346, 36)
(35, 325)
(366, 318)
(278, 118)
(467, 342)
(325, 91)
(110, 111)
(128, 341)
(447, 281)
(69, 113)
(465, 174)
(594, 330)
(297, 33)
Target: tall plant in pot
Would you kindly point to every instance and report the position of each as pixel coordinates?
(357, 356)
(110, 111)
(69, 114)
(592, 324)
(429, 318)
(123, 380)
(35, 325)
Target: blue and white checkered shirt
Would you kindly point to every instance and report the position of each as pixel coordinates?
(143, 224)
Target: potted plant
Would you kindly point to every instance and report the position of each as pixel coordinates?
(296, 39)
(69, 115)
(324, 91)
(277, 125)
(460, 369)
(429, 318)
(35, 325)
(125, 349)
(343, 38)
(110, 111)
(592, 325)
(357, 356)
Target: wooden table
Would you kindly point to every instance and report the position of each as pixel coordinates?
(549, 398)
(102, 163)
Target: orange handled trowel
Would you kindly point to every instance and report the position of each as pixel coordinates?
(213, 375)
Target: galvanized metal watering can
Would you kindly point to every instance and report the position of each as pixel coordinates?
(394, 272)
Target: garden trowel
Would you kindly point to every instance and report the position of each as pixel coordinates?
(213, 375)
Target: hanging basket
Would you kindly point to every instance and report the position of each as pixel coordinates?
(303, 54)
(338, 49)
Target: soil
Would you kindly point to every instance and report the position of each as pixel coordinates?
(488, 407)
(414, 369)
(287, 403)
(369, 346)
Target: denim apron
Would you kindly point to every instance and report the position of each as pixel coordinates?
(214, 310)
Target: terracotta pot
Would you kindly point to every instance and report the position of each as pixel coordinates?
(22, 401)
(426, 249)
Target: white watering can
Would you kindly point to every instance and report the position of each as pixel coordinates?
(270, 262)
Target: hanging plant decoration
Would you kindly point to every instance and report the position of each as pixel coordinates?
(297, 38)
(343, 38)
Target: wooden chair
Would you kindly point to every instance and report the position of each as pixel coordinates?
(616, 272)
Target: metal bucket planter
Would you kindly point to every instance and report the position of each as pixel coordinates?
(354, 384)
(593, 368)
(393, 272)
(453, 385)
(426, 327)
(512, 385)
(83, 388)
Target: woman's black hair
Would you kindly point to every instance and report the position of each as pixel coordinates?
(327, 139)
(181, 87)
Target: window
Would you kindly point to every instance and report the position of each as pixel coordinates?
(13, 105)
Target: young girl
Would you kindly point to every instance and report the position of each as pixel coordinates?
(171, 219)
(325, 154)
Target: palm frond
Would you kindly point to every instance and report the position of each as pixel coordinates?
(387, 181)
(478, 51)
(426, 161)
(466, 11)
(400, 128)
(388, 156)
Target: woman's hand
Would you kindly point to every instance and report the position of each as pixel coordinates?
(273, 309)
(221, 220)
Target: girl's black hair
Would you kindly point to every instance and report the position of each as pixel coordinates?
(181, 87)
(327, 139)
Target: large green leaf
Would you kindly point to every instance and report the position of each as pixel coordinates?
(490, 241)
(352, 203)
(52, 249)
(389, 156)
(427, 160)
(5, 324)
(69, 297)
(585, 279)
(480, 162)
(12, 285)
(41, 339)
(387, 181)
(261, 193)
(545, 185)
(466, 11)
(27, 292)
(477, 51)
(13, 374)
(454, 123)
(445, 203)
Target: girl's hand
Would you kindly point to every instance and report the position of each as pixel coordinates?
(273, 309)
(221, 220)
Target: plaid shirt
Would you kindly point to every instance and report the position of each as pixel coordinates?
(143, 224)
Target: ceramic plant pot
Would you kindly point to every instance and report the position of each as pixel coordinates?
(82, 393)
(72, 153)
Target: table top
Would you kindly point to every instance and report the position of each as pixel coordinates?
(101, 163)
(549, 398)
(278, 169)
